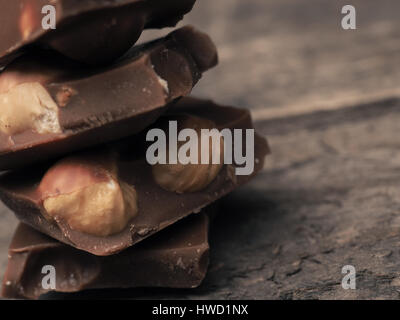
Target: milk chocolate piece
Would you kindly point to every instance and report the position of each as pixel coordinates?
(157, 208)
(94, 32)
(98, 105)
(174, 258)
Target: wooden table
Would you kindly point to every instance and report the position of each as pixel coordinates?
(329, 196)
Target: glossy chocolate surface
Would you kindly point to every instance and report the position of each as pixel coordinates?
(158, 208)
(97, 105)
(177, 257)
(93, 32)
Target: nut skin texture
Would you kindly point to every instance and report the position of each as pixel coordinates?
(28, 106)
(187, 178)
(86, 194)
(25, 103)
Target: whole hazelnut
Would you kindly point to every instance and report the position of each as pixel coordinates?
(25, 103)
(85, 192)
(28, 106)
(191, 177)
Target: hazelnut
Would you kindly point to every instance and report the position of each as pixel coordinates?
(184, 178)
(25, 104)
(85, 192)
(28, 106)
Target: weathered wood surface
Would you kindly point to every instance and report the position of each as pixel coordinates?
(283, 57)
(330, 193)
(328, 197)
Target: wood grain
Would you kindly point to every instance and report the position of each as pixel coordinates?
(287, 57)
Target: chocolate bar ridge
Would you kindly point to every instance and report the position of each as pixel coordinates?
(175, 258)
(100, 105)
(94, 32)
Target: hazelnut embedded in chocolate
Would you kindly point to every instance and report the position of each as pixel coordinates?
(25, 102)
(158, 208)
(28, 106)
(191, 177)
(97, 105)
(85, 193)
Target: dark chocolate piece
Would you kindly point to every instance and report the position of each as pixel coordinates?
(157, 208)
(174, 258)
(94, 32)
(99, 105)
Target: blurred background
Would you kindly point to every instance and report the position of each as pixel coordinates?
(292, 56)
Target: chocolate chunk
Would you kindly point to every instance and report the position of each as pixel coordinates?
(94, 32)
(157, 208)
(50, 106)
(175, 258)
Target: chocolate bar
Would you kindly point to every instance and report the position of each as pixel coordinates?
(94, 32)
(175, 258)
(50, 106)
(47, 197)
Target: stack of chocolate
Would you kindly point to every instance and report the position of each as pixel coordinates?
(77, 106)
